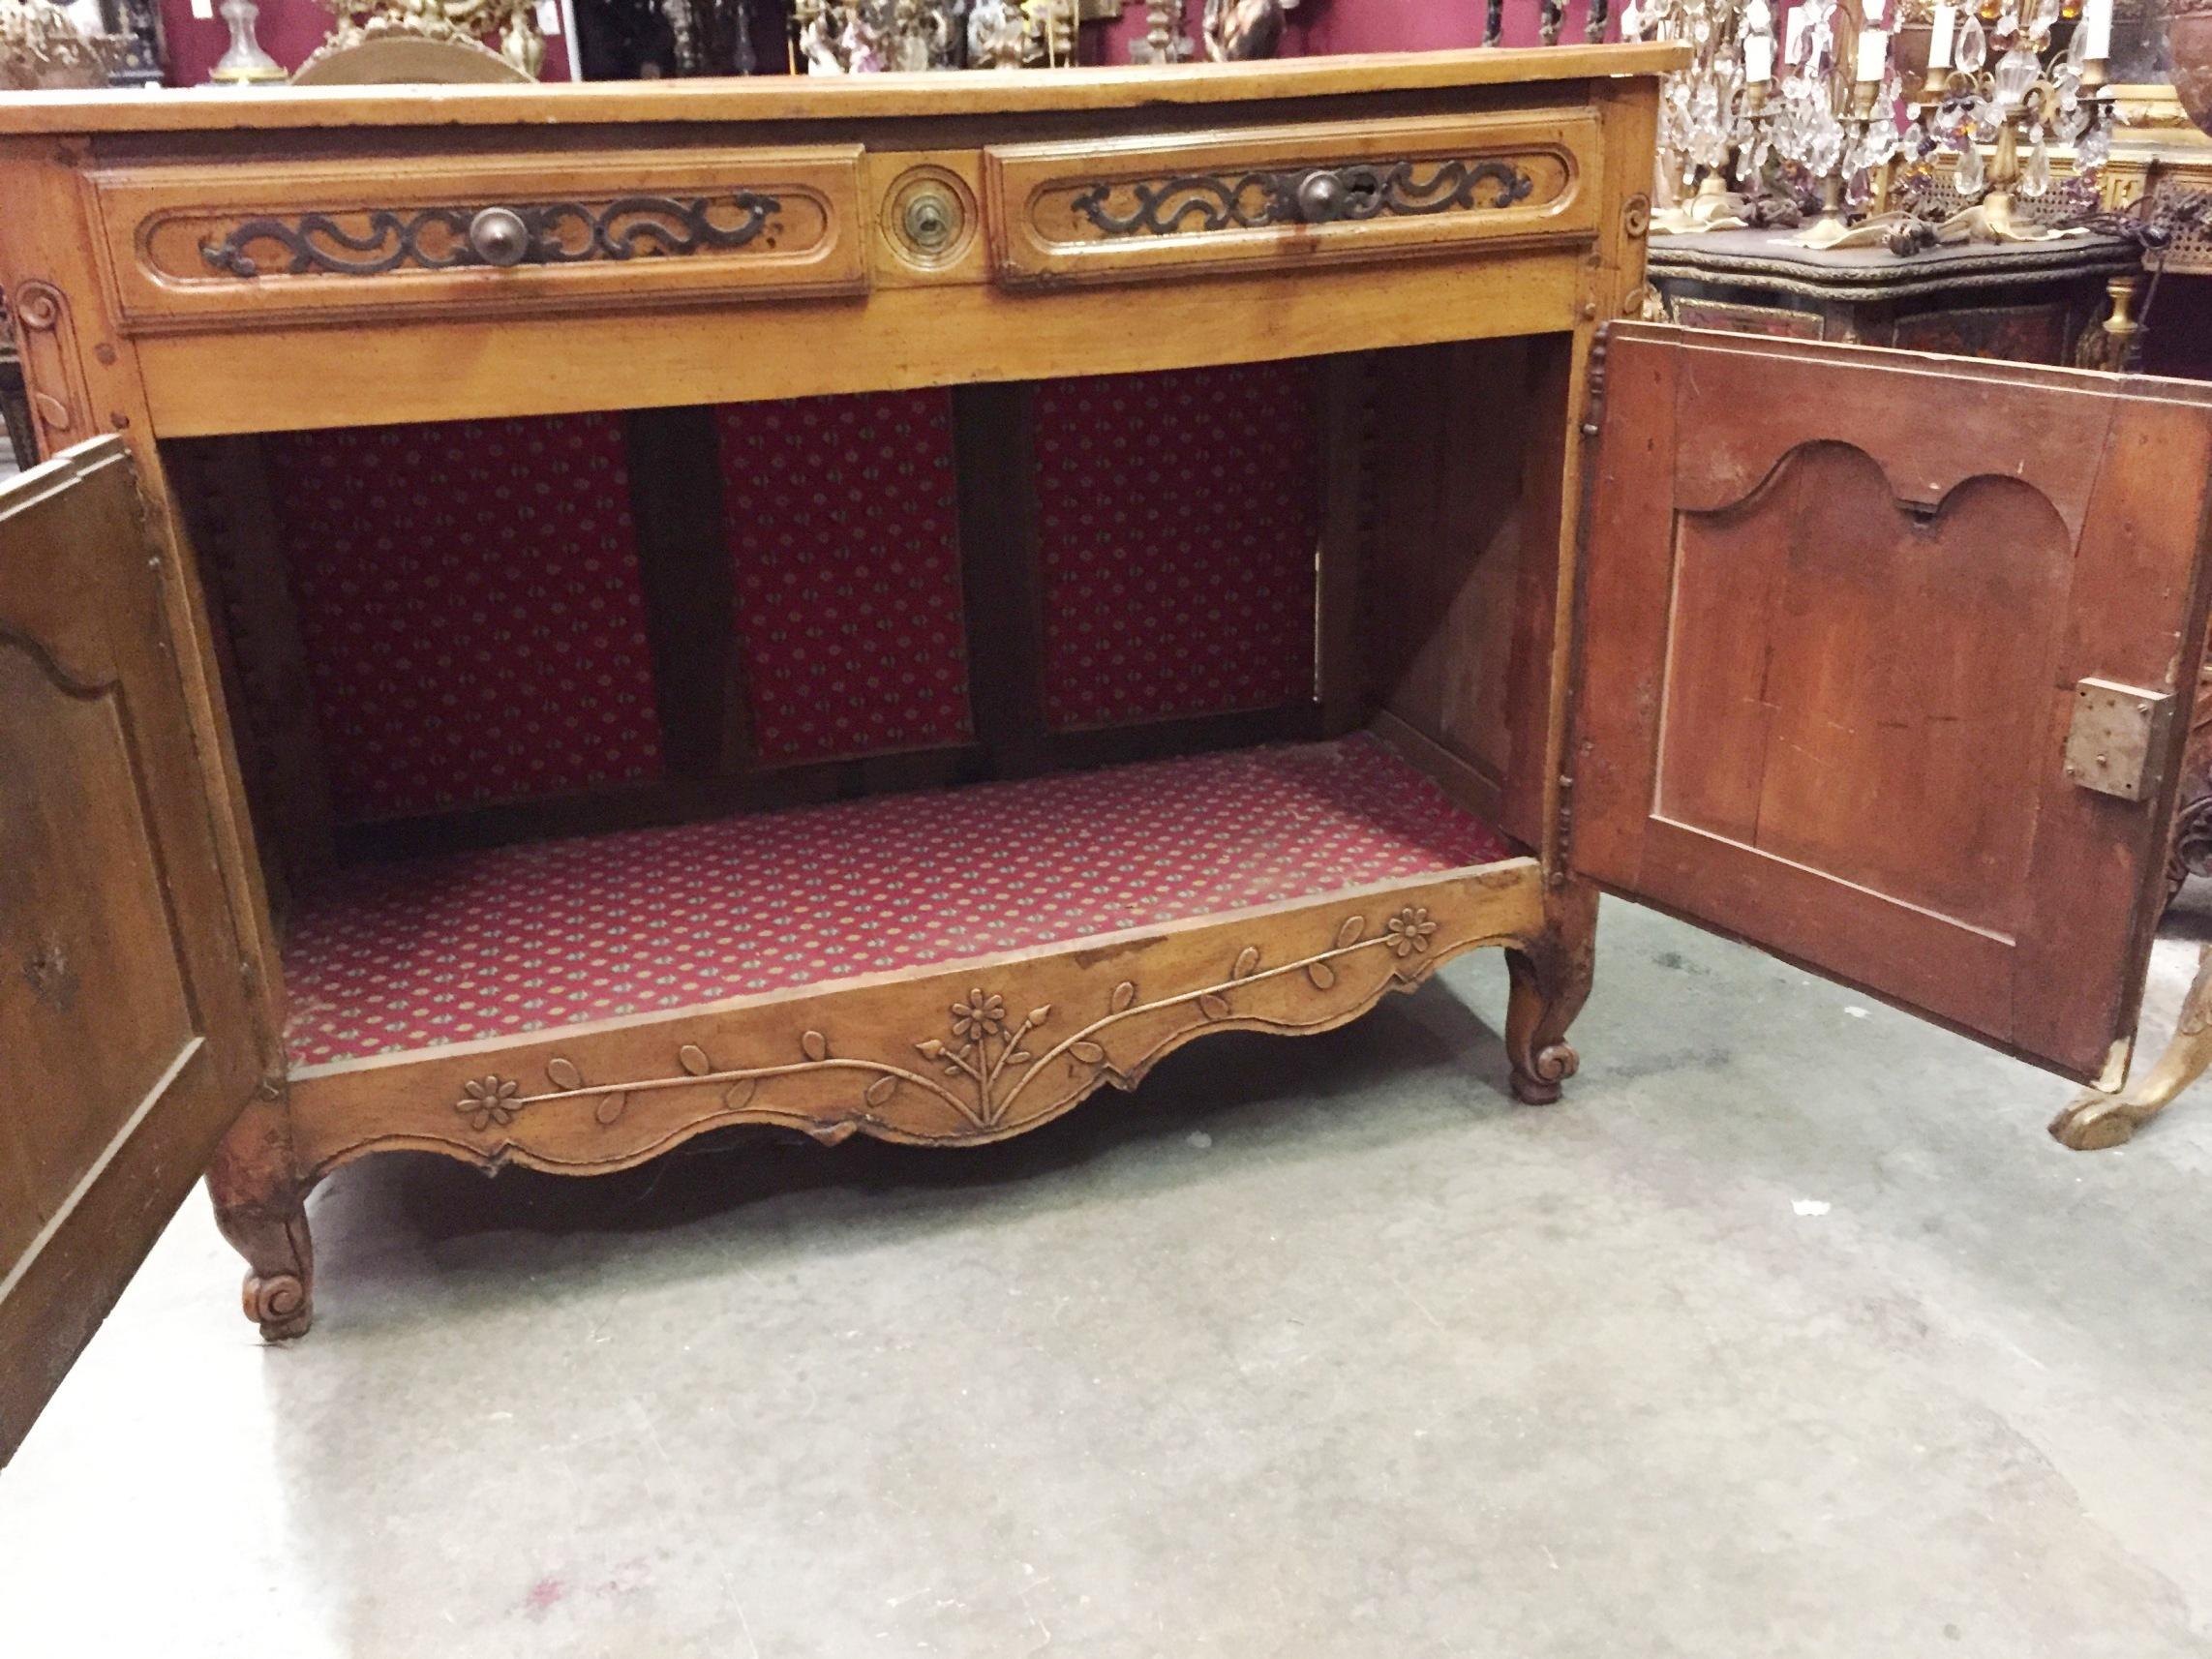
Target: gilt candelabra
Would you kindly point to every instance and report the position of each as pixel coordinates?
(2018, 98)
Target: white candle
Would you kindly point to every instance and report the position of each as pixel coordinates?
(1874, 53)
(1758, 58)
(1943, 30)
(2097, 24)
(1873, 11)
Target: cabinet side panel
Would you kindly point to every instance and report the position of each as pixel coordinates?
(1445, 557)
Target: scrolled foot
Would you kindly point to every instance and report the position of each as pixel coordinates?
(280, 1303)
(1537, 1082)
(2094, 1122)
(261, 1205)
(1551, 982)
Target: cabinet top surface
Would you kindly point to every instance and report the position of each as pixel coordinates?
(784, 98)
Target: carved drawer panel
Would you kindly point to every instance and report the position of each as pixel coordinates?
(249, 242)
(1131, 208)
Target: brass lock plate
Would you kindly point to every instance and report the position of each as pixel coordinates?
(2116, 744)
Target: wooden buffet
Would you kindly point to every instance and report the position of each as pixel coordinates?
(1094, 560)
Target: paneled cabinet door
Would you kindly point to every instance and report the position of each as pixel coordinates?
(126, 1045)
(1884, 666)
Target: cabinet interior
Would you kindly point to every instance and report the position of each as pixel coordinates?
(567, 718)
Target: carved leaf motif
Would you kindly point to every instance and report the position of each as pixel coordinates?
(564, 1073)
(1213, 1007)
(1088, 1052)
(738, 1094)
(1351, 930)
(816, 1046)
(1247, 961)
(693, 1059)
(881, 1090)
(1323, 975)
(609, 1108)
(1124, 994)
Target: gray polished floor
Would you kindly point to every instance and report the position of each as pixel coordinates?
(1789, 1334)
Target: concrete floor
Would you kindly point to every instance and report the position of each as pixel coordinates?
(1789, 1334)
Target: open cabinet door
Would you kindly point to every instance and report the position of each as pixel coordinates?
(126, 1037)
(1884, 666)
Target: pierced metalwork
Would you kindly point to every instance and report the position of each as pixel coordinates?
(1307, 195)
(440, 239)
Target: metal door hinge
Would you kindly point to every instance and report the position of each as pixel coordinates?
(2116, 745)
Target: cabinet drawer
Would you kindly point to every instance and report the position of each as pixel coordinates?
(1122, 209)
(210, 244)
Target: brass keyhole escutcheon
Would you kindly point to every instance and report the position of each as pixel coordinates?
(932, 218)
(928, 219)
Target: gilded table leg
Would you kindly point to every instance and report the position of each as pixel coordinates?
(1551, 982)
(2094, 1120)
(261, 1206)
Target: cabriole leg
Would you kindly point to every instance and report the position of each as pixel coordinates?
(2094, 1120)
(1551, 982)
(261, 1206)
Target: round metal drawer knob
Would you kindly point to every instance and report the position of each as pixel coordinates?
(498, 237)
(1321, 198)
(932, 219)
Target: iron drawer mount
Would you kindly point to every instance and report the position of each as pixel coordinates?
(454, 238)
(1302, 195)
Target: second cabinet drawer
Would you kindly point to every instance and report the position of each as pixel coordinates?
(252, 242)
(1131, 209)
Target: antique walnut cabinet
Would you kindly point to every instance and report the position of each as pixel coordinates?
(561, 619)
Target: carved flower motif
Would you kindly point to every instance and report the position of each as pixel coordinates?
(1409, 930)
(982, 1015)
(489, 1102)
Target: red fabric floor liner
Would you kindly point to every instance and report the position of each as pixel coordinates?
(393, 957)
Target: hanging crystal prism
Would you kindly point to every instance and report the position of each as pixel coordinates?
(1973, 47)
(2093, 149)
(2077, 50)
(1968, 178)
(2042, 20)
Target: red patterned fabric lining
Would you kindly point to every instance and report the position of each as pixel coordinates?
(403, 956)
(1178, 516)
(843, 520)
(470, 601)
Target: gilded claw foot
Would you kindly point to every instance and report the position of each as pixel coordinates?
(2094, 1120)
(261, 1207)
(1550, 982)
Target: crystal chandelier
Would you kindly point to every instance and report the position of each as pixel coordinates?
(1997, 79)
